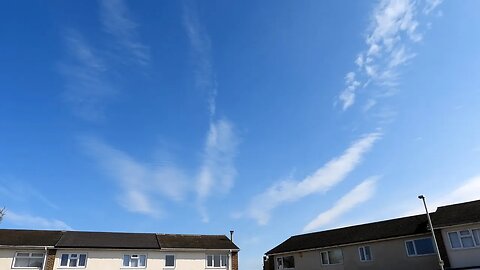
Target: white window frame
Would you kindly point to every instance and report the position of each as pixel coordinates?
(29, 256)
(222, 255)
(415, 247)
(362, 251)
(174, 261)
(283, 262)
(134, 256)
(70, 255)
(328, 257)
(476, 243)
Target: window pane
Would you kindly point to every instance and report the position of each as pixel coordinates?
(279, 262)
(143, 261)
(288, 262)
(134, 262)
(424, 246)
(73, 262)
(38, 255)
(467, 241)
(324, 258)
(335, 256)
(362, 254)
(35, 262)
(210, 260)
(224, 260)
(216, 260)
(170, 260)
(368, 254)
(64, 260)
(454, 240)
(476, 236)
(465, 232)
(21, 262)
(410, 248)
(23, 254)
(83, 259)
(126, 260)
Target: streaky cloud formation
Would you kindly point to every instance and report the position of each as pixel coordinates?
(393, 29)
(217, 172)
(361, 193)
(116, 20)
(29, 221)
(139, 184)
(87, 85)
(322, 180)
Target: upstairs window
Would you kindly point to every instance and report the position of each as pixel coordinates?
(170, 261)
(217, 260)
(365, 253)
(73, 260)
(287, 262)
(420, 247)
(332, 256)
(465, 238)
(28, 260)
(134, 261)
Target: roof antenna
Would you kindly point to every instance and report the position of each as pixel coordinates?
(231, 235)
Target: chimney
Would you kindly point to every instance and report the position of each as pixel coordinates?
(231, 235)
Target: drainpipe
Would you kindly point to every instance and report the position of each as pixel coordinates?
(230, 259)
(45, 258)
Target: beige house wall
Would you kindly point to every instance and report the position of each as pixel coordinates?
(7, 255)
(460, 257)
(388, 254)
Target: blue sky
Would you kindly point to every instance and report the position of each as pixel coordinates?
(271, 118)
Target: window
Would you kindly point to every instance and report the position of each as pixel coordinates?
(169, 260)
(217, 260)
(332, 256)
(28, 260)
(287, 262)
(465, 238)
(134, 260)
(419, 247)
(365, 253)
(73, 260)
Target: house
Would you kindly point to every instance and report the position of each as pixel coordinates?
(52, 250)
(401, 243)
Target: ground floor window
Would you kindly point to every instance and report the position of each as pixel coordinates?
(217, 260)
(332, 256)
(28, 260)
(419, 247)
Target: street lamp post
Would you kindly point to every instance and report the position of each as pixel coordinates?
(440, 261)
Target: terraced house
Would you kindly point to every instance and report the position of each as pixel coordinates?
(49, 250)
(402, 243)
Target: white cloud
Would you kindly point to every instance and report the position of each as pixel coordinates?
(23, 192)
(321, 180)
(217, 171)
(29, 221)
(205, 77)
(117, 21)
(87, 87)
(361, 193)
(140, 184)
(393, 29)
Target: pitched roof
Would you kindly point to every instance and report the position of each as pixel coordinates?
(354, 234)
(113, 240)
(462, 213)
(72, 239)
(29, 237)
(195, 241)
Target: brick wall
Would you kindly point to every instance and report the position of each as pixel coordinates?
(50, 259)
(234, 260)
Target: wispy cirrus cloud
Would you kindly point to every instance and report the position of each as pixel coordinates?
(30, 221)
(218, 168)
(117, 21)
(322, 180)
(22, 192)
(361, 193)
(87, 85)
(140, 186)
(394, 27)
